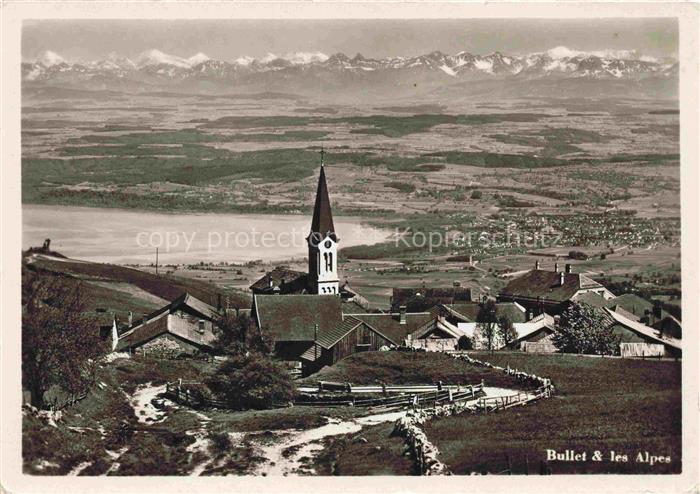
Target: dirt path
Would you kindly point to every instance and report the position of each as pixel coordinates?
(284, 457)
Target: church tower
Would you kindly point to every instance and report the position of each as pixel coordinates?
(323, 243)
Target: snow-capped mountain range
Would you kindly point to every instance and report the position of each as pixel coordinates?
(310, 72)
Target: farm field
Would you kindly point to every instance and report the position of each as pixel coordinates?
(597, 175)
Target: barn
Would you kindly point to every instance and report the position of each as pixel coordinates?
(348, 337)
(185, 326)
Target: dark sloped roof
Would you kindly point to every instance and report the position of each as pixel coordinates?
(322, 222)
(436, 295)
(592, 298)
(312, 354)
(144, 332)
(292, 317)
(286, 280)
(511, 311)
(631, 303)
(185, 300)
(389, 325)
(465, 312)
(331, 336)
(545, 285)
(642, 329)
(469, 312)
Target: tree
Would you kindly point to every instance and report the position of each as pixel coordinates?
(60, 343)
(585, 329)
(506, 331)
(238, 334)
(249, 377)
(486, 321)
(476, 194)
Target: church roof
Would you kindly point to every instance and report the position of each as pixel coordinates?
(293, 317)
(322, 222)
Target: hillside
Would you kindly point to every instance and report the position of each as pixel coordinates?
(123, 289)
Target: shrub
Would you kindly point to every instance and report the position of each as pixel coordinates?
(577, 254)
(476, 194)
(465, 343)
(252, 380)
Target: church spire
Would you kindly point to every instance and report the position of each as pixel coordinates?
(322, 222)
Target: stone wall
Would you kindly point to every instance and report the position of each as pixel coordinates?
(424, 453)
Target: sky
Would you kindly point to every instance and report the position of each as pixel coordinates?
(86, 40)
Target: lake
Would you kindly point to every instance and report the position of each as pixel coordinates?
(131, 236)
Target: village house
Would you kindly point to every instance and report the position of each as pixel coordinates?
(640, 340)
(423, 298)
(183, 327)
(550, 291)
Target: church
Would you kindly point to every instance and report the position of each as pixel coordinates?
(322, 275)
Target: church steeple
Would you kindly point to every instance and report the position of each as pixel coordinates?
(323, 243)
(322, 222)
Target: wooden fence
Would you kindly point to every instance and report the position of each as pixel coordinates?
(641, 350)
(72, 400)
(404, 399)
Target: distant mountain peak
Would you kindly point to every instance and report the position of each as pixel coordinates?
(50, 58)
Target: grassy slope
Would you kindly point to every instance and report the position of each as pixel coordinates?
(152, 449)
(166, 287)
(409, 368)
(604, 404)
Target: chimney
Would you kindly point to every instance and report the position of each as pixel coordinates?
(131, 318)
(567, 268)
(561, 278)
(402, 314)
(537, 265)
(556, 267)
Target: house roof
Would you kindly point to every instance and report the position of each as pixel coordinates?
(333, 335)
(390, 327)
(534, 325)
(156, 323)
(546, 285)
(436, 295)
(469, 312)
(322, 222)
(643, 330)
(183, 301)
(154, 327)
(293, 317)
(312, 354)
(284, 279)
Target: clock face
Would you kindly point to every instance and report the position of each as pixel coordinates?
(328, 244)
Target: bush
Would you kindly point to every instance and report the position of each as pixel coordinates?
(465, 343)
(476, 194)
(252, 380)
(578, 255)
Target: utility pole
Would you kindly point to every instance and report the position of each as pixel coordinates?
(315, 346)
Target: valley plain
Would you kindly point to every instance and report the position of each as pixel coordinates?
(506, 181)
